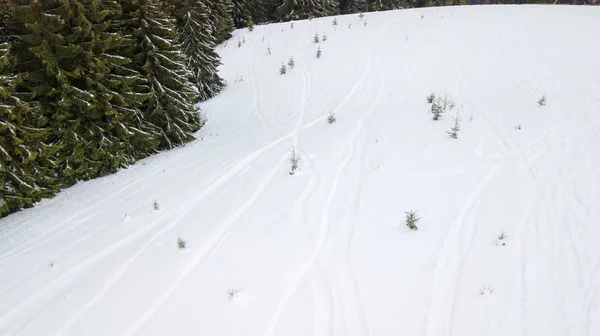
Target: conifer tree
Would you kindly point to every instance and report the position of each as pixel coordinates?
(241, 15)
(198, 45)
(26, 176)
(221, 19)
(302, 9)
(156, 56)
(63, 50)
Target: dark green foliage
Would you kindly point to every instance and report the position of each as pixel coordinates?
(220, 18)
(64, 54)
(241, 14)
(155, 54)
(198, 45)
(304, 9)
(25, 169)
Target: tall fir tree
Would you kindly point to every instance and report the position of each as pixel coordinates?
(157, 57)
(221, 18)
(26, 175)
(129, 88)
(241, 14)
(197, 42)
(303, 9)
(62, 51)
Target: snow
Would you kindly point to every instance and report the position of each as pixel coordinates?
(325, 251)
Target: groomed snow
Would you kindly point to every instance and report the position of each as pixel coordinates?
(325, 252)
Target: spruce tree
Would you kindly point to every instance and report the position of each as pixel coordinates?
(221, 18)
(198, 45)
(26, 175)
(303, 9)
(63, 50)
(155, 54)
(241, 14)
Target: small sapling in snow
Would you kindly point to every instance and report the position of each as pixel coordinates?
(316, 38)
(292, 25)
(319, 52)
(453, 132)
(51, 264)
(268, 50)
(437, 109)
(361, 15)
(501, 241)
(412, 219)
(282, 69)
(431, 98)
(291, 63)
(181, 244)
(324, 38)
(155, 205)
(349, 25)
(294, 160)
(334, 22)
(331, 118)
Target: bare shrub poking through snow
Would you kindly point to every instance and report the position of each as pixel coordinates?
(294, 160)
(412, 219)
(501, 241)
(181, 243)
(542, 101)
(232, 293)
(155, 205)
(487, 290)
(331, 118)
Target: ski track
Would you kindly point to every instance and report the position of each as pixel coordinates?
(326, 327)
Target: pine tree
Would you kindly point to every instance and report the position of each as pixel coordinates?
(26, 176)
(64, 52)
(198, 45)
(303, 9)
(221, 18)
(241, 15)
(156, 56)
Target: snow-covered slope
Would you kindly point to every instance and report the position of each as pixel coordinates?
(325, 251)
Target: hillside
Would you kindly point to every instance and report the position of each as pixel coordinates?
(325, 251)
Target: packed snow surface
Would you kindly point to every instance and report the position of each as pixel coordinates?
(325, 251)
